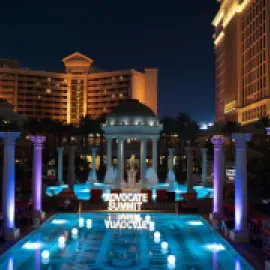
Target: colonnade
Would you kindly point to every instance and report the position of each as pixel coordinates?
(121, 156)
(8, 192)
(241, 230)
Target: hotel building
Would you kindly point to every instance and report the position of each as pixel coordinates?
(242, 60)
(82, 89)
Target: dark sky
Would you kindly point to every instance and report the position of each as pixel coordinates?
(173, 35)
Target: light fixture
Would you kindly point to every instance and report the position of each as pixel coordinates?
(164, 245)
(61, 240)
(81, 222)
(171, 259)
(157, 235)
(59, 221)
(195, 223)
(89, 223)
(45, 254)
(215, 247)
(32, 245)
(74, 231)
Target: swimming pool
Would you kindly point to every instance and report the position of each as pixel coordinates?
(107, 241)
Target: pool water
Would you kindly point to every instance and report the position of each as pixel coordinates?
(82, 191)
(103, 241)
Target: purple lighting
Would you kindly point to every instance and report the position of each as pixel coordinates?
(9, 179)
(241, 181)
(37, 172)
(218, 141)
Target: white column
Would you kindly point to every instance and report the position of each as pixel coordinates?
(154, 154)
(218, 141)
(60, 151)
(92, 176)
(171, 152)
(71, 167)
(143, 154)
(120, 161)
(189, 151)
(204, 166)
(109, 153)
(8, 191)
(241, 227)
(37, 176)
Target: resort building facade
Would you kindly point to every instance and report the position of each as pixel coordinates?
(83, 89)
(241, 42)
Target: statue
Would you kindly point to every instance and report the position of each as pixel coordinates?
(132, 170)
(132, 164)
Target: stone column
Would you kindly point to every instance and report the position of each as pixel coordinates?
(120, 161)
(92, 176)
(8, 191)
(241, 227)
(189, 151)
(204, 166)
(37, 175)
(171, 152)
(60, 151)
(71, 167)
(218, 141)
(154, 155)
(143, 153)
(109, 154)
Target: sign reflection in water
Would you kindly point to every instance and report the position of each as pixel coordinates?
(125, 221)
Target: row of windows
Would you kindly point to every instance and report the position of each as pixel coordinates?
(254, 113)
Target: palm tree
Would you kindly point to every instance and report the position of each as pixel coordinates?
(169, 127)
(85, 128)
(101, 120)
(187, 130)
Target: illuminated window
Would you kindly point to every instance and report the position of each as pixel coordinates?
(38, 97)
(104, 109)
(49, 79)
(78, 87)
(78, 81)
(105, 90)
(57, 85)
(121, 78)
(48, 91)
(120, 95)
(113, 95)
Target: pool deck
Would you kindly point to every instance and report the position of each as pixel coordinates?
(254, 256)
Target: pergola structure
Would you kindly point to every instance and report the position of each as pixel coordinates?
(132, 119)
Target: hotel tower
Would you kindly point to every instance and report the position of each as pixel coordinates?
(242, 60)
(82, 89)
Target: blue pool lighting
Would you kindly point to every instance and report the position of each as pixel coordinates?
(176, 246)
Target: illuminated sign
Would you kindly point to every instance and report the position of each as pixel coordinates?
(126, 221)
(126, 201)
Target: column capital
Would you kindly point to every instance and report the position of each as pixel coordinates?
(241, 139)
(171, 150)
(204, 150)
(217, 141)
(60, 148)
(9, 137)
(37, 140)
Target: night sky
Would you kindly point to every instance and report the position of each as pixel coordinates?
(173, 35)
